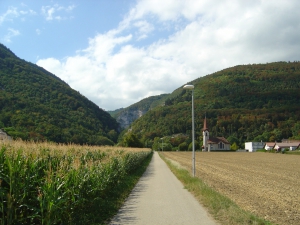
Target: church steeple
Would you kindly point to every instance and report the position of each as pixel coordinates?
(205, 134)
(205, 124)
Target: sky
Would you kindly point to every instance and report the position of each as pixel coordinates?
(118, 52)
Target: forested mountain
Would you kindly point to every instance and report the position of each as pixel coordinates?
(259, 102)
(37, 105)
(125, 116)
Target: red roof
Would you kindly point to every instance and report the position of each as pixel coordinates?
(272, 144)
(216, 140)
(288, 145)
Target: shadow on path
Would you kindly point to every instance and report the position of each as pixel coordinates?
(126, 213)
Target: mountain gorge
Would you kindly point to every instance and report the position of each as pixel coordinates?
(259, 102)
(37, 105)
(126, 116)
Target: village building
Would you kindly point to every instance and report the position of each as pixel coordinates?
(254, 146)
(213, 143)
(4, 136)
(269, 145)
(289, 141)
(288, 145)
(285, 144)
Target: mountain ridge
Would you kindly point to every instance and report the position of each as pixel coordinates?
(243, 103)
(37, 105)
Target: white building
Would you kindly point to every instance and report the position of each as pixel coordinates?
(254, 146)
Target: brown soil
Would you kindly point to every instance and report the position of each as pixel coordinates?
(265, 184)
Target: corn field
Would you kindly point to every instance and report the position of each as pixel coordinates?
(44, 183)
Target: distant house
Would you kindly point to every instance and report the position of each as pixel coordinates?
(4, 136)
(254, 146)
(269, 145)
(213, 143)
(291, 146)
(289, 141)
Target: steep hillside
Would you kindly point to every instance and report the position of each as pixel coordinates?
(126, 116)
(37, 105)
(243, 103)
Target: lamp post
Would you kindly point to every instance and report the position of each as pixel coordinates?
(162, 146)
(191, 87)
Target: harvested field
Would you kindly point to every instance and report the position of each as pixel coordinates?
(265, 184)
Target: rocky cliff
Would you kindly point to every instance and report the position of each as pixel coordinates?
(126, 117)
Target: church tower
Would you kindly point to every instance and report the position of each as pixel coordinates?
(205, 134)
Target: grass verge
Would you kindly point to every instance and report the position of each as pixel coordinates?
(124, 189)
(224, 210)
(295, 152)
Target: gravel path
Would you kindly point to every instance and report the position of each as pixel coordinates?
(159, 198)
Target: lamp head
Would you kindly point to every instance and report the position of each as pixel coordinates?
(188, 86)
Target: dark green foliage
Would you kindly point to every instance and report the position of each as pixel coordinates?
(197, 146)
(258, 102)
(37, 105)
(131, 140)
(167, 147)
(183, 146)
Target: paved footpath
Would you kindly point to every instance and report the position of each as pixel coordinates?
(160, 198)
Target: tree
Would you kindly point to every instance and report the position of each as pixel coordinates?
(103, 141)
(167, 147)
(183, 146)
(233, 139)
(131, 140)
(113, 135)
(296, 130)
(156, 145)
(197, 147)
(234, 147)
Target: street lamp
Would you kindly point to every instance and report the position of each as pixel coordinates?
(162, 142)
(191, 87)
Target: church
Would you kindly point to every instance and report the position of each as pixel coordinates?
(213, 143)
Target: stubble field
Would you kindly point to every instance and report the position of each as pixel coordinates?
(265, 184)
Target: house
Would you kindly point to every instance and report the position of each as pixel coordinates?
(213, 143)
(289, 141)
(254, 146)
(4, 136)
(291, 146)
(269, 145)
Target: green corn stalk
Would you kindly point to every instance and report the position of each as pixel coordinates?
(49, 189)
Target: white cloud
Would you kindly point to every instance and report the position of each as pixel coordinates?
(50, 12)
(10, 34)
(10, 14)
(207, 36)
(143, 29)
(38, 31)
(13, 12)
(27, 12)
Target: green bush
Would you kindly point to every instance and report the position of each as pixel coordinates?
(197, 146)
(183, 146)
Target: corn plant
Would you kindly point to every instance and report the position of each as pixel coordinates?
(55, 184)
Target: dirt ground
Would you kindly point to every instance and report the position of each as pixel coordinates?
(266, 184)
